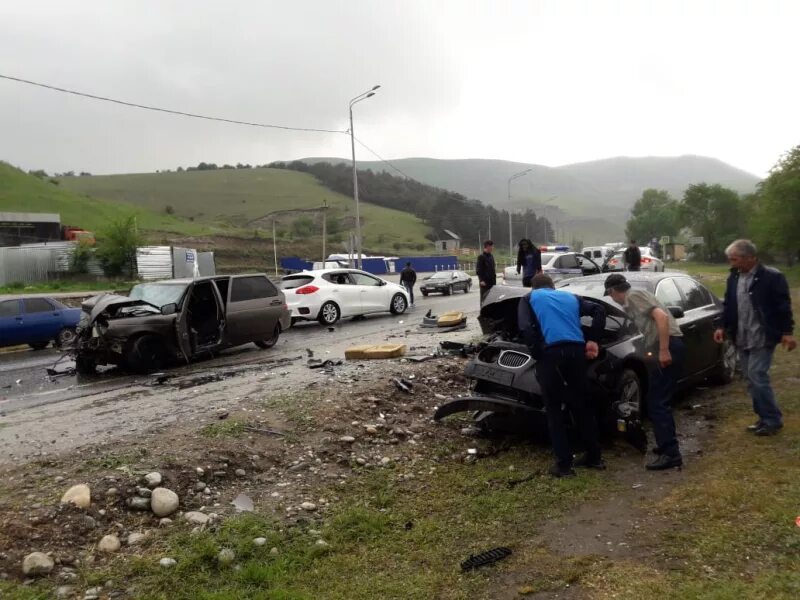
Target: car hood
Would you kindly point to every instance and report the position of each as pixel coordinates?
(98, 304)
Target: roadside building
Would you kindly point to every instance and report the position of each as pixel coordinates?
(18, 228)
(448, 242)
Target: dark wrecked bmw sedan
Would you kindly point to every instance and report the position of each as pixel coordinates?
(506, 395)
(178, 320)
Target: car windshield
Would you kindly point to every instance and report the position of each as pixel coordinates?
(295, 281)
(442, 275)
(546, 258)
(159, 294)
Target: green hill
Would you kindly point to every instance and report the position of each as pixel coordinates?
(588, 200)
(20, 192)
(244, 199)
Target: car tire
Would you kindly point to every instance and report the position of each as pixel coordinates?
(449, 291)
(85, 365)
(264, 344)
(65, 337)
(630, 389)
(425, 294)
(39, 345)
(725, 371)
(398, 305)
(466, 288)
(329, 313)
(146, 355)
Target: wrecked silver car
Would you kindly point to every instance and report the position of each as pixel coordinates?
(178, 320)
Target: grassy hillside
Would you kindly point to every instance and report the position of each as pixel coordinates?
(590, 200)
(243, 199)
(20, 192)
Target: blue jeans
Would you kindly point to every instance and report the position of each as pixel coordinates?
(410, 289)
(662, 385)
(755, 364)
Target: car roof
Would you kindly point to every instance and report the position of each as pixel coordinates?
(188, 280)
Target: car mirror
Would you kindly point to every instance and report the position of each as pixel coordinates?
(382, 282)
(169, 309)
(676, 311)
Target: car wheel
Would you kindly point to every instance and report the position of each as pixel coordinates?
(449, 291)
(329, 313)
(726, 369)
(39, 345)
(264, 344)
(146, 355)
(65, 337)
(398, 305)
(85, 365)
(425, 294)
(466, 288)
(630, 391)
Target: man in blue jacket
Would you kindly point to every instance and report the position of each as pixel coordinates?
(550, 321)
(757, 317)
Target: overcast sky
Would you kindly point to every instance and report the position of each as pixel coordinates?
(532, 81)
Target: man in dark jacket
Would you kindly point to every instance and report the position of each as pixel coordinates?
(757, 317)
(529, 261)
(408, 277)
(633, 257)
(550, 322)
(485, 269)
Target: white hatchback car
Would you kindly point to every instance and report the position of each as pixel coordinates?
(327, 295)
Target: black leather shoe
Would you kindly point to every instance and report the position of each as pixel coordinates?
(752, 428)
(595, 463)
(765, 430)
(664, 462)
(559, 472)
(656, 450)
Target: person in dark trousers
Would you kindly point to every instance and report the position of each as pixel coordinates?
(757, 317)
(550, 321)
(408, 277)
(665, 354)
(529, 261)
(485, 269)
(633, 257)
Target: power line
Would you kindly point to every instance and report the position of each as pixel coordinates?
(383, 160)
(166, 110)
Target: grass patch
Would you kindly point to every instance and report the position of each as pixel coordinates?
(231, 428)
(65, 285)
(714, 276)
(117, 459)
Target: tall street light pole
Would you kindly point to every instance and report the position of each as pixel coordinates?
(363, 96)
(510, 231)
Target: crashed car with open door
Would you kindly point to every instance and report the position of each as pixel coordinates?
(505, 392)
(178, 320)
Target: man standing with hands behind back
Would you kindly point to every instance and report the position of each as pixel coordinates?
(757, 317)
(485, 269)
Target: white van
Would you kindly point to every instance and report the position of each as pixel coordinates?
(597, 253)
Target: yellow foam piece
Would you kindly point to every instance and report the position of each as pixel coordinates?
(374, 351)
(450, 318)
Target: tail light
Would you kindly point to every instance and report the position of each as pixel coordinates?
(646, 260)
(306, 289)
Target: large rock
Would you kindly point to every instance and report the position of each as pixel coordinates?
(37, 563)
(196, 518)
(163, 502)
(80, 495)
(109, 543)
(139, 503)
(136, 538)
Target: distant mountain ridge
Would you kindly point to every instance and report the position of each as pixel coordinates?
(588, 200)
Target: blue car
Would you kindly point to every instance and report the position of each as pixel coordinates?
(37, 322)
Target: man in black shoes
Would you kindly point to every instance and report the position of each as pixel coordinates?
(485, 269)
(408, 277)
(550, 321)
(663, 342)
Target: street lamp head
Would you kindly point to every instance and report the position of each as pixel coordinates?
(370, 95)
(375, 87)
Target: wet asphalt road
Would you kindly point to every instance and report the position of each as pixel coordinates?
(24, 381)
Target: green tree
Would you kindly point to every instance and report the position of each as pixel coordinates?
(716, 213)
(116, 248)
(777, 219)
(655, 214)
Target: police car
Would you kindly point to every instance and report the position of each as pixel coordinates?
(559, 264)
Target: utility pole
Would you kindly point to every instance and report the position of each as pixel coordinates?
(324, 231)
(510, 229)
(275, 247)
(490, 226)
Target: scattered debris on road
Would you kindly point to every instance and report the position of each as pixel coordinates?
(485, 558)
(404, 385)
(375, 351)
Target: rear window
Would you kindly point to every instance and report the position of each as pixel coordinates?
(295, 281)
(252, 288)
(9, 308)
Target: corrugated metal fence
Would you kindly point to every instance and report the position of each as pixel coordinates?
(30, 263)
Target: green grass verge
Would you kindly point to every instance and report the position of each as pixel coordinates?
(714, 276)
(65, 285)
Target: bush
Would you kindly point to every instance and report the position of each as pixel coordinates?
(169, 209)
(116, 248)
(79, 263)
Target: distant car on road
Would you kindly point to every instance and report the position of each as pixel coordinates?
(328, 295)
(37, 322)
(446, 282)
(559, 265)
(179, 320)
(650, 262)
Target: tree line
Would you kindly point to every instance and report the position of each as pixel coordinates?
(770, 216)
(438, 208)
